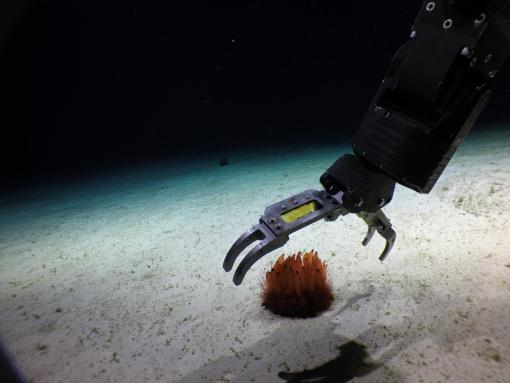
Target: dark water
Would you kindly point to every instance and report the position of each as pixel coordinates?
(94, 86)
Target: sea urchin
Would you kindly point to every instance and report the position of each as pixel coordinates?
(297, 286)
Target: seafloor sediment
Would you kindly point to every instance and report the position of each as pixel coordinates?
(119, 278)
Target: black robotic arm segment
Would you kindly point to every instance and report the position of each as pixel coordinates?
(434, 90)
(364, 187)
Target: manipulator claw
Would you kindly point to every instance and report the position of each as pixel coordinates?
(278, 222)
(350, 188)
(378, 221)
(366, 189)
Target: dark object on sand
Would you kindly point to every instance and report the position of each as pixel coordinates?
(223, 161)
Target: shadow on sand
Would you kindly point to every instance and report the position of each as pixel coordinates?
(352, 361)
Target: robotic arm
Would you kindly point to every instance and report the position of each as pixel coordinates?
(431, 95)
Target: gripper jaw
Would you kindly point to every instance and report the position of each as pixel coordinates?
(292, 214)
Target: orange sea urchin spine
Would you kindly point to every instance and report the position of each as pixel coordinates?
(297, 286)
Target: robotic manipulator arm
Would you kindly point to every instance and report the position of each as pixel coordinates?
(431, 95)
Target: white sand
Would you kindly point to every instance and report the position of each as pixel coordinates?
(120, 279)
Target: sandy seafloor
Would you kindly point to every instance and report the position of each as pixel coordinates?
(119, 278)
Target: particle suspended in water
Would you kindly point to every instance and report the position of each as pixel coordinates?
(297, 286)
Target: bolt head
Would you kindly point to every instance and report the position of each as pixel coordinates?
(480, 19)
(466, 52)
(447, 24)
